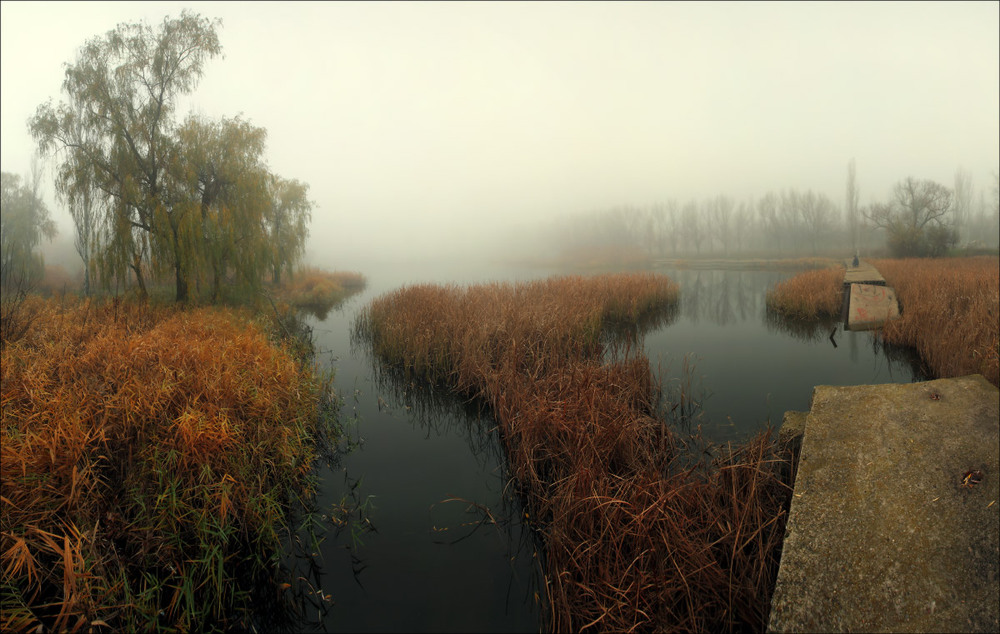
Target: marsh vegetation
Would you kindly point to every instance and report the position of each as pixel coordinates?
(150, 456)
(635, 534)
(949, 311)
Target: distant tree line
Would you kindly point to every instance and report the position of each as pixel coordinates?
(151, 198)
(921, 218)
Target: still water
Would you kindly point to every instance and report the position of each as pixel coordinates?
(438, 543)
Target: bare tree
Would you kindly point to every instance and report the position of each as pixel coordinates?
(767, 210)
(963, 203)
(915, 204)
(691, 225)
(851, 208)
(742, 223)
(720, 215)
(818, 215)
(790, 213)
(915, 218)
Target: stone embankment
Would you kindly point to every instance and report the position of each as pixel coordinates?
(894, 523)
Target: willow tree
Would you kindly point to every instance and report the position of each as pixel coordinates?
(224, 186)
(24, 222)
(118, 122)
(287, 224)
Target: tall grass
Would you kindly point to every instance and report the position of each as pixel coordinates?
(950, 313)
(148, 456)
(809, 295)
(636, 534)
(319, 291)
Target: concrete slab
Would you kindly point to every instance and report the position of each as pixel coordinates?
(870, 306)
(864, 273)
(882, 535)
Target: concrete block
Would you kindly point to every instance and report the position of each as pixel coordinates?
(885, 531)
(871, 306)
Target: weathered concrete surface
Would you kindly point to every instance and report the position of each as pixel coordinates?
(793, 426)
(871, 306)
(864, 273)
(881, 534)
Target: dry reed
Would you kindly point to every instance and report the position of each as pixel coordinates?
(809, 295)
(636, 538)
(950, 313)
(318, 291)
(148, 455)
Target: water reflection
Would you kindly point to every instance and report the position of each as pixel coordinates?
(618, 333)
(722, 297)
(448, 551)
(803, 329)
(755, 366)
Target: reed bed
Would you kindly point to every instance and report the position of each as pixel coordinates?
(148, 458)
(809, 295)
(317, 290)
(637, 535)
(949, 314)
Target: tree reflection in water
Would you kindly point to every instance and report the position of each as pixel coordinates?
(722, 296)
(439, 411)
(803, 329)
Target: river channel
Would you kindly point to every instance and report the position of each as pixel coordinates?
(435, 541)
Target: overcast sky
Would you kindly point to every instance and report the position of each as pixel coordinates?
(415, 120)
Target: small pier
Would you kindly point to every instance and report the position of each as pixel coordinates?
(863, 273)
(894, 524)
(868, 302)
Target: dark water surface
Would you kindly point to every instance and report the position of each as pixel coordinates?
(432, 564)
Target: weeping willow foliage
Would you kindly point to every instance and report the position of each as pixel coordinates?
(193, 201)
(221, 181)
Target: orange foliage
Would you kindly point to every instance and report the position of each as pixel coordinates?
(132, 436)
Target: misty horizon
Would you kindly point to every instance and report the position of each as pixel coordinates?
(434, 130)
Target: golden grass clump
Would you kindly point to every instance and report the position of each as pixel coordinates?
(949, 314)
(319, 291)
(809, 295)
(636, 534)
(148, 455)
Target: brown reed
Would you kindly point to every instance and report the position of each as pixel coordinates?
(950, 313)
(317, 290)
(809, 295)
(635, 537)
(148, 454)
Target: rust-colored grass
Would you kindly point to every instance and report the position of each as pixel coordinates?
(950, 313)
(147, 455)
(318, 291)
(809, 295)
(635, 537)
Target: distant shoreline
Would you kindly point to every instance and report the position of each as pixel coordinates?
(747, 264)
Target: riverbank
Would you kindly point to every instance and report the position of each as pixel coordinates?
(949, 310)
(150, 455)
(748, 264)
